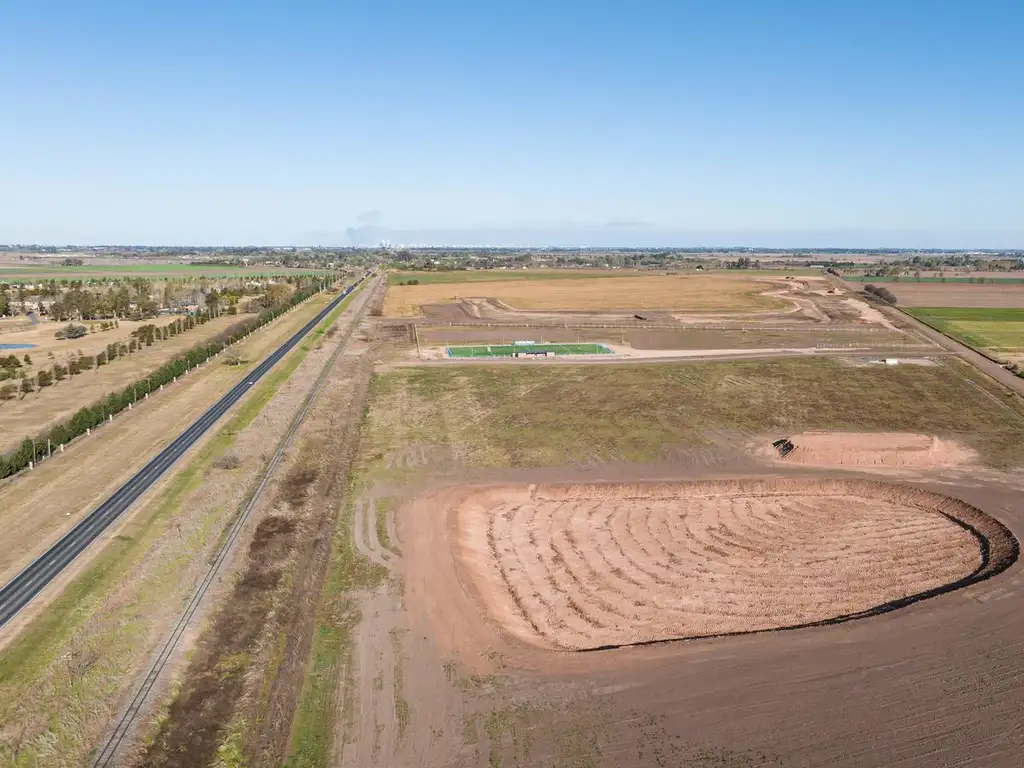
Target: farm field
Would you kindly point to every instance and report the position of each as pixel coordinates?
(978, 278)
(714, 338)
(696, 293)
(491, 275)
(958, 295)
(494, 275)
(31, 271)
(43, 407)
(580, 425)
(997, 331)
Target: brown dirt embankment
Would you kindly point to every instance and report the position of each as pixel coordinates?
(874, 449)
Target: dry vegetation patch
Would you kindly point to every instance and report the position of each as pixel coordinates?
(547, 416)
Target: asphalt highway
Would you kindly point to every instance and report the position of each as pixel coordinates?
(23, 588)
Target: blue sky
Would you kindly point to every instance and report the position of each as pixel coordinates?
(641, 123)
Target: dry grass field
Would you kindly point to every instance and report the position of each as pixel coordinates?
(689, 293)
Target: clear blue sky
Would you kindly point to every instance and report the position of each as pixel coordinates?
(679, 123)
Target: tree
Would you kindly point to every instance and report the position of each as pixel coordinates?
(59, 372)
(101, 359)
(212, 300)
(27, 359)
(44, 378)
(277, 293)
(71, 331)
(8, 391)
(26, 386)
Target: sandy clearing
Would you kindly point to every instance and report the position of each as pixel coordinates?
(869, 314)
(873, 449)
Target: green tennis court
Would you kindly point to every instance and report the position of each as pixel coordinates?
(527, 350)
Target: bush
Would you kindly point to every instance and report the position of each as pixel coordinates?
(8, 392)
(228, 461)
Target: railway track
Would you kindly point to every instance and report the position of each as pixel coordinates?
(24, 587)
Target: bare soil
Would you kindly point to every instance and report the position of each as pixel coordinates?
(873, 449)
(697, 293)
(958, 295)
(590, 566)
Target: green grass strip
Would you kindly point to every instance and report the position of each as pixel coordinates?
(508, 350)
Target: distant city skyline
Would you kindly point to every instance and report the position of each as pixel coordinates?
(651, 124)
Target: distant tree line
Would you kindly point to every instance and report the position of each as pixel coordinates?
(93, 415)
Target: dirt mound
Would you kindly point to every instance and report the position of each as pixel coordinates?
(590, 566)
(873, 449)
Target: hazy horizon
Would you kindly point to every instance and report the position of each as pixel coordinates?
(581, 237)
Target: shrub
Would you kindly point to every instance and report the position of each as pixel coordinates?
(228, 461)
(298, 479)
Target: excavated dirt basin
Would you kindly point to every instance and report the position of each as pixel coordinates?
(583, 567)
